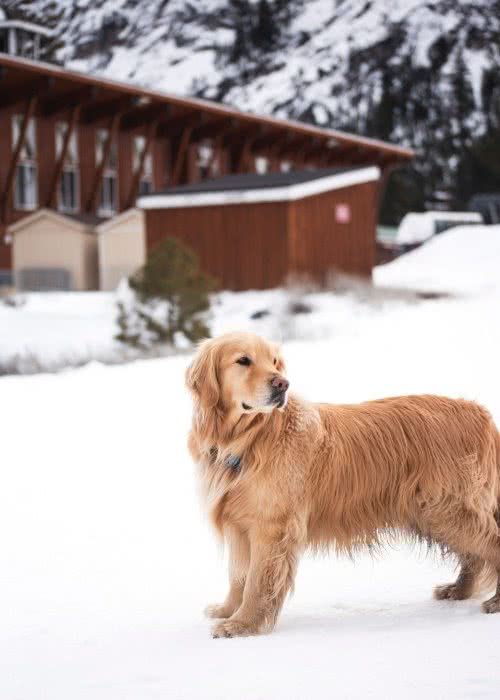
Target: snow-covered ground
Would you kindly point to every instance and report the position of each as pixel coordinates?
(107, 561)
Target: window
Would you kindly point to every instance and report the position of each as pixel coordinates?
(206, 161)
(109, 191)
(69, 200)
(146, 180)
(261, 165)
(25, 186)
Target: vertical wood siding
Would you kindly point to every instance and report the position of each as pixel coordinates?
(243, 247)
(319, 244)
(255, 246)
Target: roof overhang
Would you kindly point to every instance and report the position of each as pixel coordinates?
(275, 130)
(287, 193)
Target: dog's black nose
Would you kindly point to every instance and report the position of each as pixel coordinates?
(279, 383)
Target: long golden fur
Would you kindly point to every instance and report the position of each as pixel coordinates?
(280, 476)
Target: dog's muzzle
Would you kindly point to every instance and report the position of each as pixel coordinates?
(279, 387)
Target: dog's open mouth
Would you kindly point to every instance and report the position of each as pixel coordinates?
(278, 399)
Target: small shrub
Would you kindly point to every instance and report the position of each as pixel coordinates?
(166, 301)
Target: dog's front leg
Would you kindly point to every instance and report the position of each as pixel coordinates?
(273, 563)
(239, 561)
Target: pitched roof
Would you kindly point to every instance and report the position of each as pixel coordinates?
(83, 223)
(252, 181)
(252, 187)
(128, 215)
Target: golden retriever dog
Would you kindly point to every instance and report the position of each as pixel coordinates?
(281, 475)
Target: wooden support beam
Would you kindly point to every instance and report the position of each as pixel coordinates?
(348, 156)
(68, 100)
(109, 108)
(212, 129)
(273, 154)
(96, 182)
(316, 154)
(299, 153)
(240, 147)
(136, 180)
(25, 91)
(289, 150)
(4, 200)
(216, 153)
(142, 116)
(239, 133)
(178, 123)
(269, 140)
(50, 201)
(179, 151)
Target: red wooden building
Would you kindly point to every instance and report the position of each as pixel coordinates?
(253, 231)
(89, 146)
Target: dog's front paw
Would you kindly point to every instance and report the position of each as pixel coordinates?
(492, 605)
(451, 591)
(217, 612)
(233, 628)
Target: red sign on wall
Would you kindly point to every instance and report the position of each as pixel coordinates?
(342, 213)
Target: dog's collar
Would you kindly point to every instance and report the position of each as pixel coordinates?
(232, 462)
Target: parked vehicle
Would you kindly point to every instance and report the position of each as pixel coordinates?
(488, 205)
(415, 228)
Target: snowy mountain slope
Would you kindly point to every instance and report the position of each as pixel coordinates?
(420, 72)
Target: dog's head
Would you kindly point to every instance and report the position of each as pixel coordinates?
(239, 373)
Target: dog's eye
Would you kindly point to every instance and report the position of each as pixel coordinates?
(245, 361)
(275, 362)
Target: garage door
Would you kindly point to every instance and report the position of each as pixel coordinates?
(43, 279)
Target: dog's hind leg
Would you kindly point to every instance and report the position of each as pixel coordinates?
(493, 604)
(463, 587)
(239, 561)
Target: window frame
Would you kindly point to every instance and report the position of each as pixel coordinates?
(146, 179)
(71, 166)
(27, 161)
(109, 178)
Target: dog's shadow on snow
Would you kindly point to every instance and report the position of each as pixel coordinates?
(372, 618)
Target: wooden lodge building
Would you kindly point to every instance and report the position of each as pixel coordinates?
(86, 148)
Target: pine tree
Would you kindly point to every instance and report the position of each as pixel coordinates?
(266, 31)
(170, 296)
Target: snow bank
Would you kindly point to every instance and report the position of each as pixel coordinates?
(56, 330)
(463, 260)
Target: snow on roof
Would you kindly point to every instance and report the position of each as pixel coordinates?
(252, 188)
(462, 259)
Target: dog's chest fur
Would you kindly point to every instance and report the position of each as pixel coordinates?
(242, 485)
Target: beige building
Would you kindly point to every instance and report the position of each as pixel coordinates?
(121, 247)
(53, 251)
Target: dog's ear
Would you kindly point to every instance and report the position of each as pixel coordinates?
(201, 375)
